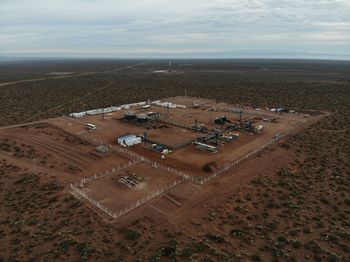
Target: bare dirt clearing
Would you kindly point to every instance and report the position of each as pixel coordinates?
(48, 147)
(68, 152)
(289, 203)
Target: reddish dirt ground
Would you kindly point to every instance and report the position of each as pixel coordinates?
(65, 157)
(44, 147)
(196, 200)
(59, 150)
(116, 196)
(187, 159)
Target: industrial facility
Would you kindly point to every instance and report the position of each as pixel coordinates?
(211, 130)
(170, 141)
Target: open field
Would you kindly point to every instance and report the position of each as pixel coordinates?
(289, 202)
(48, 148)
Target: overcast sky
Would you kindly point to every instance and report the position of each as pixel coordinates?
(176, 28)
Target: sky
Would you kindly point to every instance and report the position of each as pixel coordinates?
(315, 29)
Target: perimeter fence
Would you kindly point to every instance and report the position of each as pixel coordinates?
(130, 207)
(136, 158)
(230, 165)
(86, 180)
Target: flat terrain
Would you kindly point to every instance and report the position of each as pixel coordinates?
(116, 196)
(62, 146)
(187, 158)
(48, 148)
(290, 202)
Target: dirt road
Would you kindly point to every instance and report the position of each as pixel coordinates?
(68, 76)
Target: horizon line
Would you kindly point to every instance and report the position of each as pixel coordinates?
(28, 58)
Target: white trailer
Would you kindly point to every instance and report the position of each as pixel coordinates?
(205, 147)
(129, 140)
(91, 126)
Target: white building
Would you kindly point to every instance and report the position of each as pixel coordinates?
(129, 140)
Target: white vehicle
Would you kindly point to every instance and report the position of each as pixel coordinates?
(91, 126)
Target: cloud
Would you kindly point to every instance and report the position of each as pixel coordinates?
(140, 27)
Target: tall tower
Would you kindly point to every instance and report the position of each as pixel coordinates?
(169, 66)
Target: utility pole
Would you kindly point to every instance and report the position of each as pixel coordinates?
(185, 94)
(145, 138)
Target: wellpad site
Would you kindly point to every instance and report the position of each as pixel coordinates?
(120, 158)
